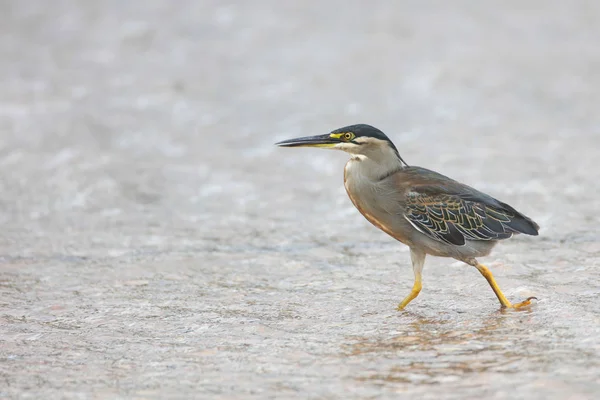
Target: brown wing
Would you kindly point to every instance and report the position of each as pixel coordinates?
(452, 212)
(453, 220)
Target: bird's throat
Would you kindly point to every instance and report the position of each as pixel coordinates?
(364, 167)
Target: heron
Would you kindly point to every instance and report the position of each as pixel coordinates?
(427, 211)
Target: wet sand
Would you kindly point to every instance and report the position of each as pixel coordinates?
(155, 244)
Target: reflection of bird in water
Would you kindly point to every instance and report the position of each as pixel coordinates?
(427, 211)
(429, 350)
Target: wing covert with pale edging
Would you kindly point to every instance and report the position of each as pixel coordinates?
(453, 220)
(454, 213)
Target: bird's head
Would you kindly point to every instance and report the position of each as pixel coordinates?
(363, 140)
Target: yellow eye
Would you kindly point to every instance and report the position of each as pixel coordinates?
(348, 136)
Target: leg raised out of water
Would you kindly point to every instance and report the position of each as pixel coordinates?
(487, 274)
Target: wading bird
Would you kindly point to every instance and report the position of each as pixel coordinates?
(429, 212)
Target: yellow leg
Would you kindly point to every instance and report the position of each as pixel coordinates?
(487, 274)
(418, 260)
(413, 293)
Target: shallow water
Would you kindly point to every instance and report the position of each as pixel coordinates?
(155, 244)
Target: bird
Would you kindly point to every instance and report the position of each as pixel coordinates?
(425, 210)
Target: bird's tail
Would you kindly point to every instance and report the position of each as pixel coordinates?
(520, 223)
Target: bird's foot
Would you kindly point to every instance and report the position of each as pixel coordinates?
(522, 304)
(413, 294)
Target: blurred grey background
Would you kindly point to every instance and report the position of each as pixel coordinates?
(155, 244)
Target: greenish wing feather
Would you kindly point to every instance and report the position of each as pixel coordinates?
(454, 219)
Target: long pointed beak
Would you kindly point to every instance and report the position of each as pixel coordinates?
(310, 141)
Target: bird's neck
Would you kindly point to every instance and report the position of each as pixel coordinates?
(376, 167)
